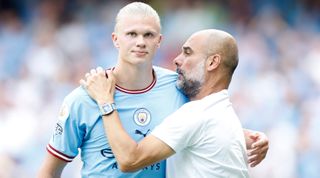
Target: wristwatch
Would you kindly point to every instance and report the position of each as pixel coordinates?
(107, 108)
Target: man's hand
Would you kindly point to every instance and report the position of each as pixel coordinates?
(257, 146)
(99, 87)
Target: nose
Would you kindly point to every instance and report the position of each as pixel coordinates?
(178, 60)
(140, 42)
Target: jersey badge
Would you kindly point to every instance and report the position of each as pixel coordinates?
(142, 117)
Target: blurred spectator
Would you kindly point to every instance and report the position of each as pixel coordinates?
(47, 46)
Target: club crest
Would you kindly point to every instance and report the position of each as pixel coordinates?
(142, 117)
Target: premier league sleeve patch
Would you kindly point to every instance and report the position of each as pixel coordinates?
(64, 112)
(63, 115)
(142, 117)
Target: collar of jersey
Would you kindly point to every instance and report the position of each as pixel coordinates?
(140, 91)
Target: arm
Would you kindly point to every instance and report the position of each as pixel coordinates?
(257, 145)
(52, 167)
(130, 155)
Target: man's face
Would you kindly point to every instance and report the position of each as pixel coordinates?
(191, 66)
(137, 38)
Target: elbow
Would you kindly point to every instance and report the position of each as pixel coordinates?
(126, 169)
(127, 166)
(130, 161)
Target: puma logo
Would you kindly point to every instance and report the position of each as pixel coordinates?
(140, 133)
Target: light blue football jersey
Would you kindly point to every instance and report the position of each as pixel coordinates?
(80, 125)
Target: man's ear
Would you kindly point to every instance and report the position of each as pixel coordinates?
(159, 42)
(213, 62)
(115, 40)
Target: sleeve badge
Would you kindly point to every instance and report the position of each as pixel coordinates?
(64, 112)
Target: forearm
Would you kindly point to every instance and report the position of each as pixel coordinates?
(45, 174)
(130, 155)
(51, 168)
(123, 146)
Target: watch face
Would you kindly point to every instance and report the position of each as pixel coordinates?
(107, 108)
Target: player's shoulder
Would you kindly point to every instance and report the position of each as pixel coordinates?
(78, 95)
(164, 73)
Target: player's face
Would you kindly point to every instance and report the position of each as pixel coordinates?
(191, 67)
(137, 38)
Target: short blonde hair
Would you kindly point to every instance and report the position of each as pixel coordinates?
(137, 8)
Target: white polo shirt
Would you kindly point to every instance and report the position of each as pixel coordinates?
(208, 139)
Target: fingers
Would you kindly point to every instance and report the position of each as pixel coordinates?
(255, 156)
(257, 146)
(258, 151)
(99, 88)
(90, 76)
(83, 83)
(255, 159)
(99, 69)
(96, 70)
(252, 160)
(260, 143)
(254, 136)
(93, 71)
(110, 74)
(254, 163)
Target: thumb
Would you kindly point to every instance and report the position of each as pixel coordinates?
(109, 74)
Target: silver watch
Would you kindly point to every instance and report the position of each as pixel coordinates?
(107, 108)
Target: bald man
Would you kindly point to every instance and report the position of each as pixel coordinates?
(204, 137)
(145, 95)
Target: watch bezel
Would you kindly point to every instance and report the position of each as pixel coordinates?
(107, 108)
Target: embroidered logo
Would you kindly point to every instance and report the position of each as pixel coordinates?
(138, 132)
(58, 130)
(142, 117)
(107, 153)
(64, 112)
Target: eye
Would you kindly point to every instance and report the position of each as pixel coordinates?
(149, 35)
(186, 52)
(132, 34)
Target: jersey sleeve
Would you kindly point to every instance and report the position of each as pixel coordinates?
(67, 135)
(179, 130)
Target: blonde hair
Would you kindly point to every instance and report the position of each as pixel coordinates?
(137, 8)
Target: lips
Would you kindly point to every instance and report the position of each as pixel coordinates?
(140, 53)
(180, 74)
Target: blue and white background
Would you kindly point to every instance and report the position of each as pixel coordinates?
(47, 46)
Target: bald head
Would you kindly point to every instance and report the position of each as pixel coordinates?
(206, 63)
(222, 43)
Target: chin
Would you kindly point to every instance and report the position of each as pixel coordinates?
(138, 60)
(179, 84)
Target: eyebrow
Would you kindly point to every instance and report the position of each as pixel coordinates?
(141, 31)
(186, 48)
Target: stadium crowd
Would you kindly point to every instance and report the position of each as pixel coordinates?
(47, 46)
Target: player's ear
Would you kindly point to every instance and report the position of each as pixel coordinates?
(115, 39)
(159, 40)
(213, 62)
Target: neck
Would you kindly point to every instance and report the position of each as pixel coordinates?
(211, 86)
(133, 76)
